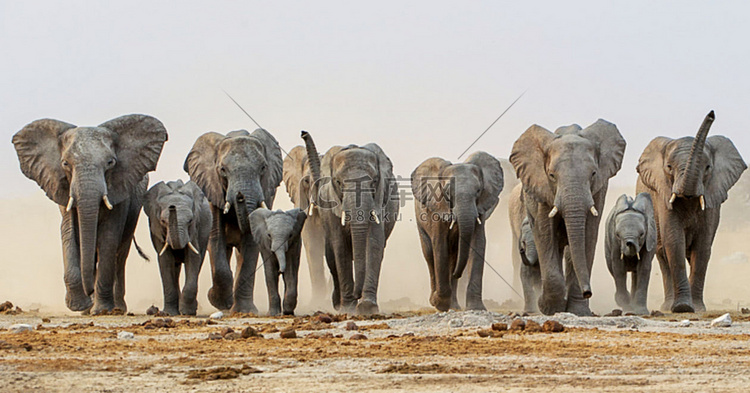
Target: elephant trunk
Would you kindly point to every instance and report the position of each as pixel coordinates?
(360, 233)
(689, 186)
(466, 217)
(173, 230)
(575, 224)
(240, 205)
(88, 189)
(281, 257)
(312, 155)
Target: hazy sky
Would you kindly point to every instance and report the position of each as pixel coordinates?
(421, 79)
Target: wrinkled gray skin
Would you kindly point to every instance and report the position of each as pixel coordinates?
(298, 180)
(179, 214)
(690, 169)
(237, 172)
(564, 175)
(278, 235)
(525, 257)
(451, 221)
(78, 167)
(357, 223)
(630, 245)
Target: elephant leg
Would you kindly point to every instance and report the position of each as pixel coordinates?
(189, 297)
(622, 297)
(110, 233)
(343, 258)
(640, 287)
(683, 301)
(220, 294)
(368, 304)
(291, 279)
(455, 283)
(314, 243)
(530, 298)
(244, 283)
(552, 298)
(666, 276)
(169, 282)
(271, 268)
(442, 298)
(75, 298)
(698, 265)
(476, 260)
(331, 262)
(123, 251)
(427, 252)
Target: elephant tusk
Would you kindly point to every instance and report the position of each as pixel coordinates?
(163, 249)
(594, 212)
(106, 202)
(451, 227)
(226, 207)
(703, 202)
(343, 219)
(70, 205)
(311, 209)
(479, 221)
(193, 249)
(263, 204)
(552, 212)
(638, 254)
(375, 216)
(622, 256)
(672, 198)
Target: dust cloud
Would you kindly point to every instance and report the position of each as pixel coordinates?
(32, 268)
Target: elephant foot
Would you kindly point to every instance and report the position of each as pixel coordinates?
(121, 305)
(189, 308)
(78, 302)
(220, 299)
(682, 307)
(641, 310)
(274, 311)
(441, 303)
(475, 305)
(666, 306)
(549, 305)
(288, 312)
(367, 307)
(102, 308)
(171, 311)
(245, 309)
(699, 305)
(580, 310)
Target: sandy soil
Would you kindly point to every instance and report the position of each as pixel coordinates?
(417, 351)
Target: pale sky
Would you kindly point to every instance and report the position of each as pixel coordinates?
(422, 79)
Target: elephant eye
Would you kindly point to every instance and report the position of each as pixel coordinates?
(111, 162)
(552, 176)
(593, 174)
(263, 168)
(669, 167)
(269, 236)
(64, 163)
(223, 171)
(708, 167)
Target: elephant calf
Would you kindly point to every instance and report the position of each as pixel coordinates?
(180, 222)
(524, 256)
(630, 246)
(278, 234)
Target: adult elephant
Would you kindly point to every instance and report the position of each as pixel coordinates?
(81, 169)
(688, 179)
(565, 175)
(237, 172)
(452, 204)
(357, 198)
(298, 181)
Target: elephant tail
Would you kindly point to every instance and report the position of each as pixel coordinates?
(140, 251)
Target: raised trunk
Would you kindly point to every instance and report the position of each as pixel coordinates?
(174, 230)
(467, 220)
(691, 171)
(575, 224)
(88, 219)
(312, 156)
(281, 257)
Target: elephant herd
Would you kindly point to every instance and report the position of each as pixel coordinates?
(346, 204)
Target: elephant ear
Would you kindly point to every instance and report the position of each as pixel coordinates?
(299, 217)
(645, 205)
(200, 164)
(727, 169)
(196, 193)
(529, 158)
(327, 196)
(38, 149)
(386, 181)
(298, 188)
(650, 167)
(427, 187)
(272, 176)
(492, 178)
(611, 149)
(150, 205)
(139, 143)
(258, 224)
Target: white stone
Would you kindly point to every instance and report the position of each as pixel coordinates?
(565, 315)
(456, 323)
(684, 323)
(722, 321)
(125, 336)
(217, 315)
(21, 327)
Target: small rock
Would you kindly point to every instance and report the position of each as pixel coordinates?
(484, 333)
(20, 327)
(685, 323)
(456, 323)
(552, 326)
(214, 336)
(532, 327)
(500, 326)
(358, 336)
(565, 315)
(46, 320)
(288, 333)
(518, 324)
(722, 321)
(614, 313)
(226, 330)
(657, 313)
(5, 306)
(745, 310)
(153, 310)
(351, 326)
(217, 315)
(130, 314)
(232, 336)
(250, 332)
(325, 318)
(125, 336)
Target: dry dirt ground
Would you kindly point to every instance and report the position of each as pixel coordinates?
(419, 351)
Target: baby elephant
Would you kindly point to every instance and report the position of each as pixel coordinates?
(180, 222)
(630, 246)
(525, 258)
(278, 235)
